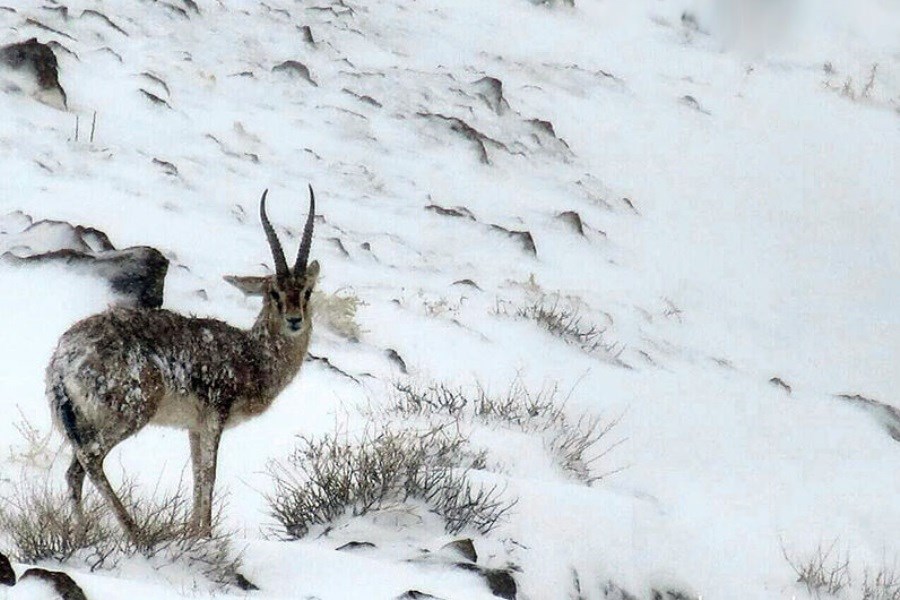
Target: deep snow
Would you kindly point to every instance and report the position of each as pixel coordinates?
(764, 242)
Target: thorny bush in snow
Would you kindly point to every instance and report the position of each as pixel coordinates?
(574, 444)
(41, 524)
(338, 312)
(329, 477)
(562, 317)
(825, 571)
(882, 585)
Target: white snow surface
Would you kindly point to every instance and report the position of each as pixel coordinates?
(760, 238)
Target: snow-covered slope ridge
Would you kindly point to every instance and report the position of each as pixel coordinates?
(733, 168)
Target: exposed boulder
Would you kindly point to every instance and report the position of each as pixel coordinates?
(462, 548)
(416, 595)
(523, 238)
(356, 546)
(670, 595)
(500, 581)
(888, 416)
(490, 89)
(137, 274)
(572, 220)
(38, 60)
(295, 69)
(7, 575)
(61, 583)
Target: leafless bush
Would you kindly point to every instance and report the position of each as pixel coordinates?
(853, 90)
(824, 571)
(37, 449)
(881, 585)
(331, 476)
(564, 320)
(42, 525)
(562, 316)
(167, 537)
(576, 445)
(338, 312)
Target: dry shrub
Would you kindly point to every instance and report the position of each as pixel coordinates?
(883, 584)
(37, 448)
(41, 523)
(574, 444)
(329, 477)
(562, 316)
(338, 312)
(824, 571)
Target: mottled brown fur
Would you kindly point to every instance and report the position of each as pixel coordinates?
(116, 372)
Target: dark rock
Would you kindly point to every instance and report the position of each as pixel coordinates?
(330, 366)
(500, 581)
(611, 591)
(64, 585)
(339, 245)
(306, 32)
(545, 128)
(293, 67)
(670, 595)
(573, 220)
(395, 357)
(464, 548)
(7, 575)
(38, 59)
(137, 274)
(478, 139)
(416, 595)
(780, 383)
(356, 546)
(693, 103)
(167, 167)
(244, 584)
(467, 282)
(363, 98)
(99, 15)
(522, 237)
(490, 89)
(156, 79)
(154, 98)
(192, 6)
(886, 414)
(456, 211)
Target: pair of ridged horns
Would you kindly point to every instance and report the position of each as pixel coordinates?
(281, 267)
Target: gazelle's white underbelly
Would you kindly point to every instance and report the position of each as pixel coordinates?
(179, 411)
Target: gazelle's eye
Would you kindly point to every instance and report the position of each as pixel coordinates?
(276, 298)
(307, 294)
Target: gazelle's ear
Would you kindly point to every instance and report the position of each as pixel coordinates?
(250, 285)
(312, 272)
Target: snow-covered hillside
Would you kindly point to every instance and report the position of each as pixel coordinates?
(711, 185)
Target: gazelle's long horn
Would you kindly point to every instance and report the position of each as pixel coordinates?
(281, 268)
(306, 242)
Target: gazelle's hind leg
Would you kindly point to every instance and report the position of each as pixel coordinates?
(93, 464)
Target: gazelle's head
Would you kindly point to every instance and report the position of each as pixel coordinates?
(285, 294)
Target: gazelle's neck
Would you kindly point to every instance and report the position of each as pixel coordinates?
(281, 353)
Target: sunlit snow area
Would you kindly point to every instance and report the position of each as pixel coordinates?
(674, 224)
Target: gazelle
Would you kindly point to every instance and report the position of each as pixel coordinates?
(115, 372)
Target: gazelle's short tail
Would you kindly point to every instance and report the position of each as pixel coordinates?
(66, 413)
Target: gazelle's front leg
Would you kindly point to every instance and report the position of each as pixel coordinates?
(204, 455)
